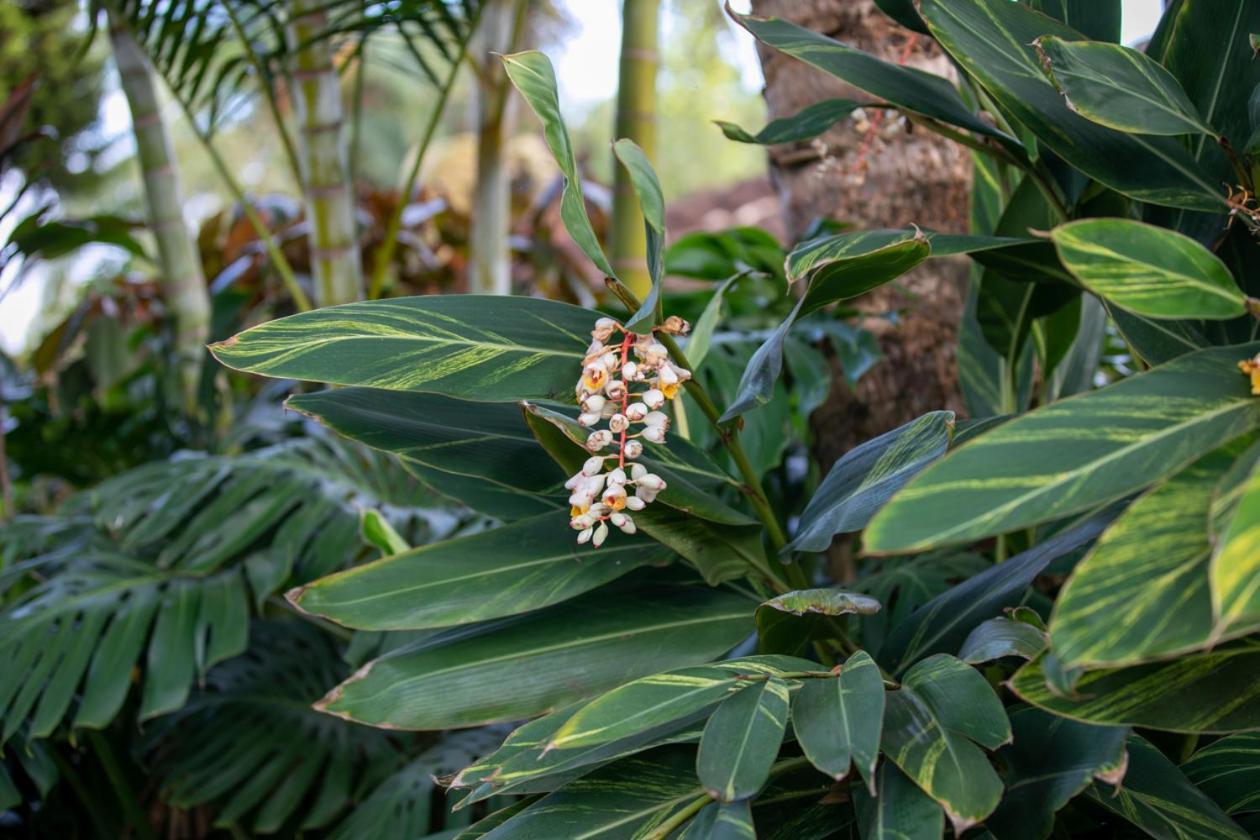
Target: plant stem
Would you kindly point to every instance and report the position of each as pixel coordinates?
(385, 254)
(684, 814)
(127, 799)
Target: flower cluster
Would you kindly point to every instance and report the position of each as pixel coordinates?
(626, 379)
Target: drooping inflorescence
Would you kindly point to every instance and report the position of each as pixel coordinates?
(625, 383)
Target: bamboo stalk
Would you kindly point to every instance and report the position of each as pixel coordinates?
(183, 283)
(636, 119)
(327, 190)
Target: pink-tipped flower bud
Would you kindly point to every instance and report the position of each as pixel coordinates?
(655, 353)
(588, 420)
(654, 398)
(585, 536)
(594, 466)
(635, 503)
(618, 423)
(636, 412)
(624, 522)
(651, 481)
(655, 434)
(657, 418)
(630, 371)
(604, 329)
(601, 534)
(634, 449)
(593, 404)
(617, 477)
(675, 326)
(599, 440)
(615, 389)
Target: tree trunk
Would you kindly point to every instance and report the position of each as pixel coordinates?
(183, 283)
(490, 264)
(885, 177)
(636, 119)
(326, 184)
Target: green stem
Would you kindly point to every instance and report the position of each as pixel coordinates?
(385, 255)
(118, 782)
(684, 814)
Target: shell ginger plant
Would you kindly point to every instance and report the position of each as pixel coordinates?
(1072, 651)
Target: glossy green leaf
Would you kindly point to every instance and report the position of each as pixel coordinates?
(850, 264)
(992, 41)
(1119, 87)
(485, 496)
(838, 721)
(932, 726)
(653, 701)
(1228, 771)
(1050, 761)
(1235, 566)
(377, 532)
(1156, 797)
(1214, 692)
(762, 373)
(904, 87)
(1098, 20)
(1000, 637)
(867, 476)
(1142, 592)
(897, 809)
(741, 740)
(647, 189)
(550, 657)
(500, 572)
(532, 74)
(471, 346)
(806, 124)
(1151, 271)
(1073, 455)
(1156, 341)
(943, 624)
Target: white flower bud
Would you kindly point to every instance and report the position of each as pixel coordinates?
(636, 411)
(586, 535)
(604, 328)
(651, 481)
(633, 449)
(643, 493)
(655, 353)
(657, 418)
(630, 371)
(635, 503)
(654, 398)
(601, 534)
(638, 471)
(594, 466)
(599, 440)
(618, 423)
(617, 477)
(588, 420)
(667, 375)
(593, 404)
(615, 389)
(581, 522)
(610, 360)
(656, 434)
(681, 372)
(624, 522)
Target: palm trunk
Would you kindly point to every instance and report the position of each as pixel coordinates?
(636, 119)
(183, 283)
(490, 266)
(326, 185)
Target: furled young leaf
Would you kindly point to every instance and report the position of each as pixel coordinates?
(1150, 271)
(471, 346)
(1142, 592)
(532, 74)
(1157, 797)
(549, 658)
(930, 724)
(806, 124)
(897, 809)
(1228, 771)
(1119, 87)
(867, 476)
(504, 571)
(992, 40)
(837, 721)
(904, 87)
(376, 531)
(647, 190)
(1235, 567)
(944, 623)
(1073, 455)
(1213, 692)
(1000, 637)
(656, 700)
(1050, 761)
(742, 739)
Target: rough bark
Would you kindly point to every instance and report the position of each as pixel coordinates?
(636, 119)
(893, 179)
(327, 190)
(183, 282)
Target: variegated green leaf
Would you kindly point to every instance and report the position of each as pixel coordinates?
(1228, 771)
(549, 658)
(849, 264)
(471, 346)
(1073, 455)
(741, 740)
(1119, 87)
(806, 124)
(532, 74)
(992, 41)
(504, 571)
(1213, 692)
(1000, 637)
(867, 476)
(1050, 761)
(930, 724)
(647, 189)
(1142, 593)
(1150, 271)
(1235, 567)
(656, 700)
(896, 809)
(837, 722)
(1156, 797)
